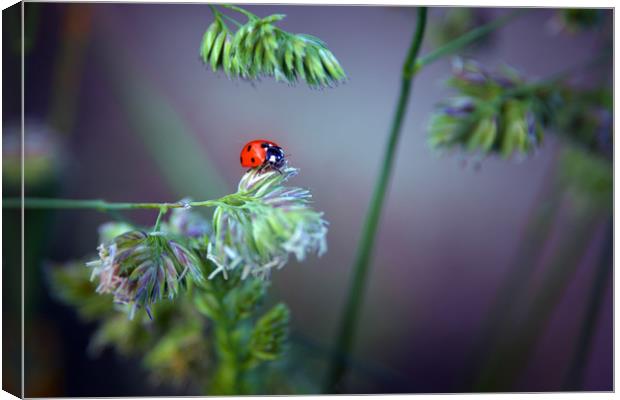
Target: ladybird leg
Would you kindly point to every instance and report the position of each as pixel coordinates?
(272, 167)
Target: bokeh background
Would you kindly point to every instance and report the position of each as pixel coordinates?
(118, 106)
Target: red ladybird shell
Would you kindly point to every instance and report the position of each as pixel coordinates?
(253, 154)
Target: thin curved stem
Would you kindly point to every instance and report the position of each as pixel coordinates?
(214, 10)
(346, 333)
(467, 39)
(218, 14)
(246, 13)
(101, 205)
(232, 20)
(239, 10)
(162, 212)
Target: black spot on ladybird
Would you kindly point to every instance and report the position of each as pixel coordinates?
(249, 148)
(240, 159)
(264, 145)
(252, 159)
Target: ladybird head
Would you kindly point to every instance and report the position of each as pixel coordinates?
(274, 157)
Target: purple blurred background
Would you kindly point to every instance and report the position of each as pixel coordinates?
(141, 119)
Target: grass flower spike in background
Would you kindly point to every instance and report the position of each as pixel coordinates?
(260, 49)
(493, 113)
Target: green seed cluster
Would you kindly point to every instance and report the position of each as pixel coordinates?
(265, 223)
(141, 269)
(493, 114)
(270, 334)
(259, 49)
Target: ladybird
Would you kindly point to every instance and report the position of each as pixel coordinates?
(263, 154)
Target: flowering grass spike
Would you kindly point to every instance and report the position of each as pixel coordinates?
(141, 268)
(494, 113)
(270, 333)
(260, 49)
(263, 224)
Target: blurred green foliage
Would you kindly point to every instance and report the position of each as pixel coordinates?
(585, 117)
(575, 20)
(457, 21)
(588, 177)
(71, 284)
(43, 155)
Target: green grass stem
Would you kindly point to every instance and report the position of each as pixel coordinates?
(346, 333)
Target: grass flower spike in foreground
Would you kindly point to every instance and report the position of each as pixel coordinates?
(268, 223)
(253, 231)
(141, 268)
(201, 281)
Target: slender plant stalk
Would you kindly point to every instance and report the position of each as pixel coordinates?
(239, 10)
(162, 212)
(574, 377)
(216, 13)
(412, 66)
(102, 205)
(345, 338)
(227, 377)
(467, 39)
